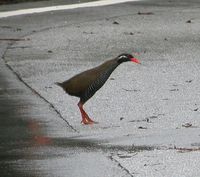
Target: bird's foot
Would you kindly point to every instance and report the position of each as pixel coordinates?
(88, 121)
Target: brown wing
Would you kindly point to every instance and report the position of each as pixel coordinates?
(78, 84)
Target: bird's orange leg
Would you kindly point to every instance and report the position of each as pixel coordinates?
(85, 118)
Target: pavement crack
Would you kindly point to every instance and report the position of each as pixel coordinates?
(120, 165)
(35, 91)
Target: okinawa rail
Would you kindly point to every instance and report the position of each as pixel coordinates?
(85, 84)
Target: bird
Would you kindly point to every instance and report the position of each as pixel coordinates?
(85, 84)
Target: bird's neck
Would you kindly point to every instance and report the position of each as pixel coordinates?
(109, 69)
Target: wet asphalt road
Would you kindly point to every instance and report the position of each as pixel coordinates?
(35, 141)
(155, 110)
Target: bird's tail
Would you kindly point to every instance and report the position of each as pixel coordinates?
(59, 84)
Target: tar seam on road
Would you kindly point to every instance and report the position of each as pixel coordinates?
(34, 91)
(120, 165)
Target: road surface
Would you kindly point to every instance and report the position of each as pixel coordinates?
(148, 115)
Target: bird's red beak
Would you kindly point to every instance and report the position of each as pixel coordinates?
(135, 60)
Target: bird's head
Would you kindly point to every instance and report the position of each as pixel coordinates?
(127, 57)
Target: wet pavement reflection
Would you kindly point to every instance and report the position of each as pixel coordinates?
(15, 134)
(21, 135)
